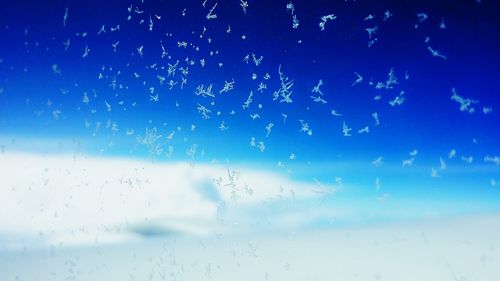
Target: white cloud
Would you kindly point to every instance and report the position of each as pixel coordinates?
(80, 199)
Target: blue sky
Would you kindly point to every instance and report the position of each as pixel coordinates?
(42, 110)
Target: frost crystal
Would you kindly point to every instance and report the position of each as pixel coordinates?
(465, 104)
(228, 86)
(324, 19)
(249, 100)
(211, 14)
(305, 127)
(398, 100)
(203, 111)
(150, 140)
(286, 88)
(346, 131)
(244, 6)
(391, 79)
(204, 92)
(268, 129)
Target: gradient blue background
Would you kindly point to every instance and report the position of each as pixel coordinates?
(32, 36)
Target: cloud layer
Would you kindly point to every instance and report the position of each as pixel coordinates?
(80, 199)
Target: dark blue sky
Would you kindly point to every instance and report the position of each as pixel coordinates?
(428, 120)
